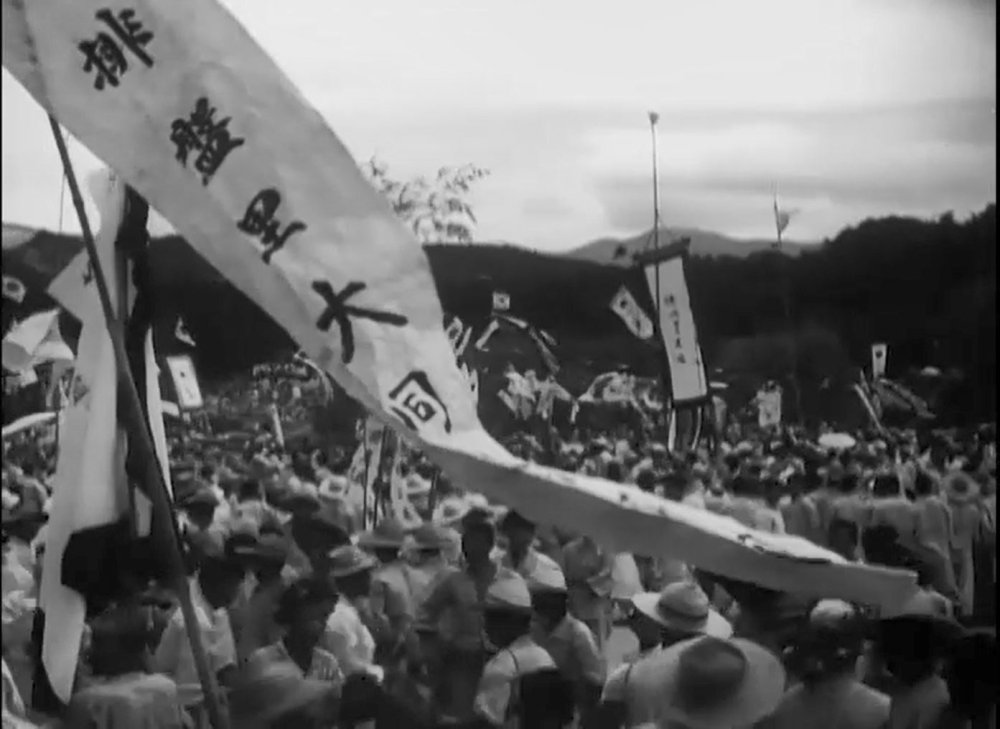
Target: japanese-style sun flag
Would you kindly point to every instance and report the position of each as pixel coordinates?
(204, 125)
(629, 311)
(14, 289)
(501, 301)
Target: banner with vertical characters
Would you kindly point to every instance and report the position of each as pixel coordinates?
(186, 107)
(688, 379)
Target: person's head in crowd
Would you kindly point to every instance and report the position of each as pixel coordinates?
(549, 597)
(385, 540)
(220, 576)
(507, 611)
(680, 611)
(351, 569)
(940, 452)
(772, 491)
(923, 484)
(829, 645)
(615, 472)
(646, 480)
(519, 533)
(746, 486)
(673, 485)
(265, 558)
(120, 640)
(303, 610)
(249, 490)
(478, 540)
(971, 675)
(209, 474)
(886, 486)
(843, 535)
(200, 508)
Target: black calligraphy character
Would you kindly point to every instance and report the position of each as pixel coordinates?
(414, 401)
(106, 56)
(258, 220)
(670, 300)
(339, 311)
(212, 139)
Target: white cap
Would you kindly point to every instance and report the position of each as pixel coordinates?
(510, 592)
(547, 577)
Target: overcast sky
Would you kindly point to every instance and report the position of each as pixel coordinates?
(853, 107)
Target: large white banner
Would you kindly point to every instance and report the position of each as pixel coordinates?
(688, 380)
(181, 101)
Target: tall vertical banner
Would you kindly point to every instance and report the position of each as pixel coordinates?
(688, 379)
(880, 357)
(181, 102)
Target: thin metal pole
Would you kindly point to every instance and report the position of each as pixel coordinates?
(138, 428)
(786, 301)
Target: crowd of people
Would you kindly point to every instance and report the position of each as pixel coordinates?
(315, 614)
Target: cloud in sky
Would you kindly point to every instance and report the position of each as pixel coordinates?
(854, 107)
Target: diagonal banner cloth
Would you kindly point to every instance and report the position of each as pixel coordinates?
(186, 107)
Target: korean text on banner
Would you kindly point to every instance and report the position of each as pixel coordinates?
(688, 381)
(203, 124)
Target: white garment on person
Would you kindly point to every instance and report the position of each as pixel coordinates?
(350, 641)
(174, 657)
(616, 685)
(493, 696)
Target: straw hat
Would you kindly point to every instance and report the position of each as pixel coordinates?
(683, 607)
(271, 691)
(429, 536)
(267, 548)
(350, 560)
(387, 534)
(508, 592)
(710, 683)
(547, 577)
(959, 488)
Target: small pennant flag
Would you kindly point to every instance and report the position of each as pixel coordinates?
(501, 301)
(13, 289)
(182, 335)
(628, 309)
(781, 219)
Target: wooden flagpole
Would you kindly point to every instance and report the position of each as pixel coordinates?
(138, 428)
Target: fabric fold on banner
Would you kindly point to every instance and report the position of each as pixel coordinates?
(276, 203)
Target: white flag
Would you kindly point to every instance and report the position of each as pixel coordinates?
(206, 127)
(628, 309)
(34, 341)
(90, 487)
(880, 358)
(501, 301)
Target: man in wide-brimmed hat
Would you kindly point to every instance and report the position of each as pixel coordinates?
(254, 621)
(912, 642)
(658, 620)
(710, 683)
(501, 693)
(824, 657)
(348, 634)
(392, 589)
(567, 639)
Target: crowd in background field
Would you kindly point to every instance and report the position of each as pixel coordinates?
(480, 618)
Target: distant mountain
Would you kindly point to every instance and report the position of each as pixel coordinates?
(703, 243)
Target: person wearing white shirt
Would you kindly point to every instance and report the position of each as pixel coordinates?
(346, 635)
(213, 589)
